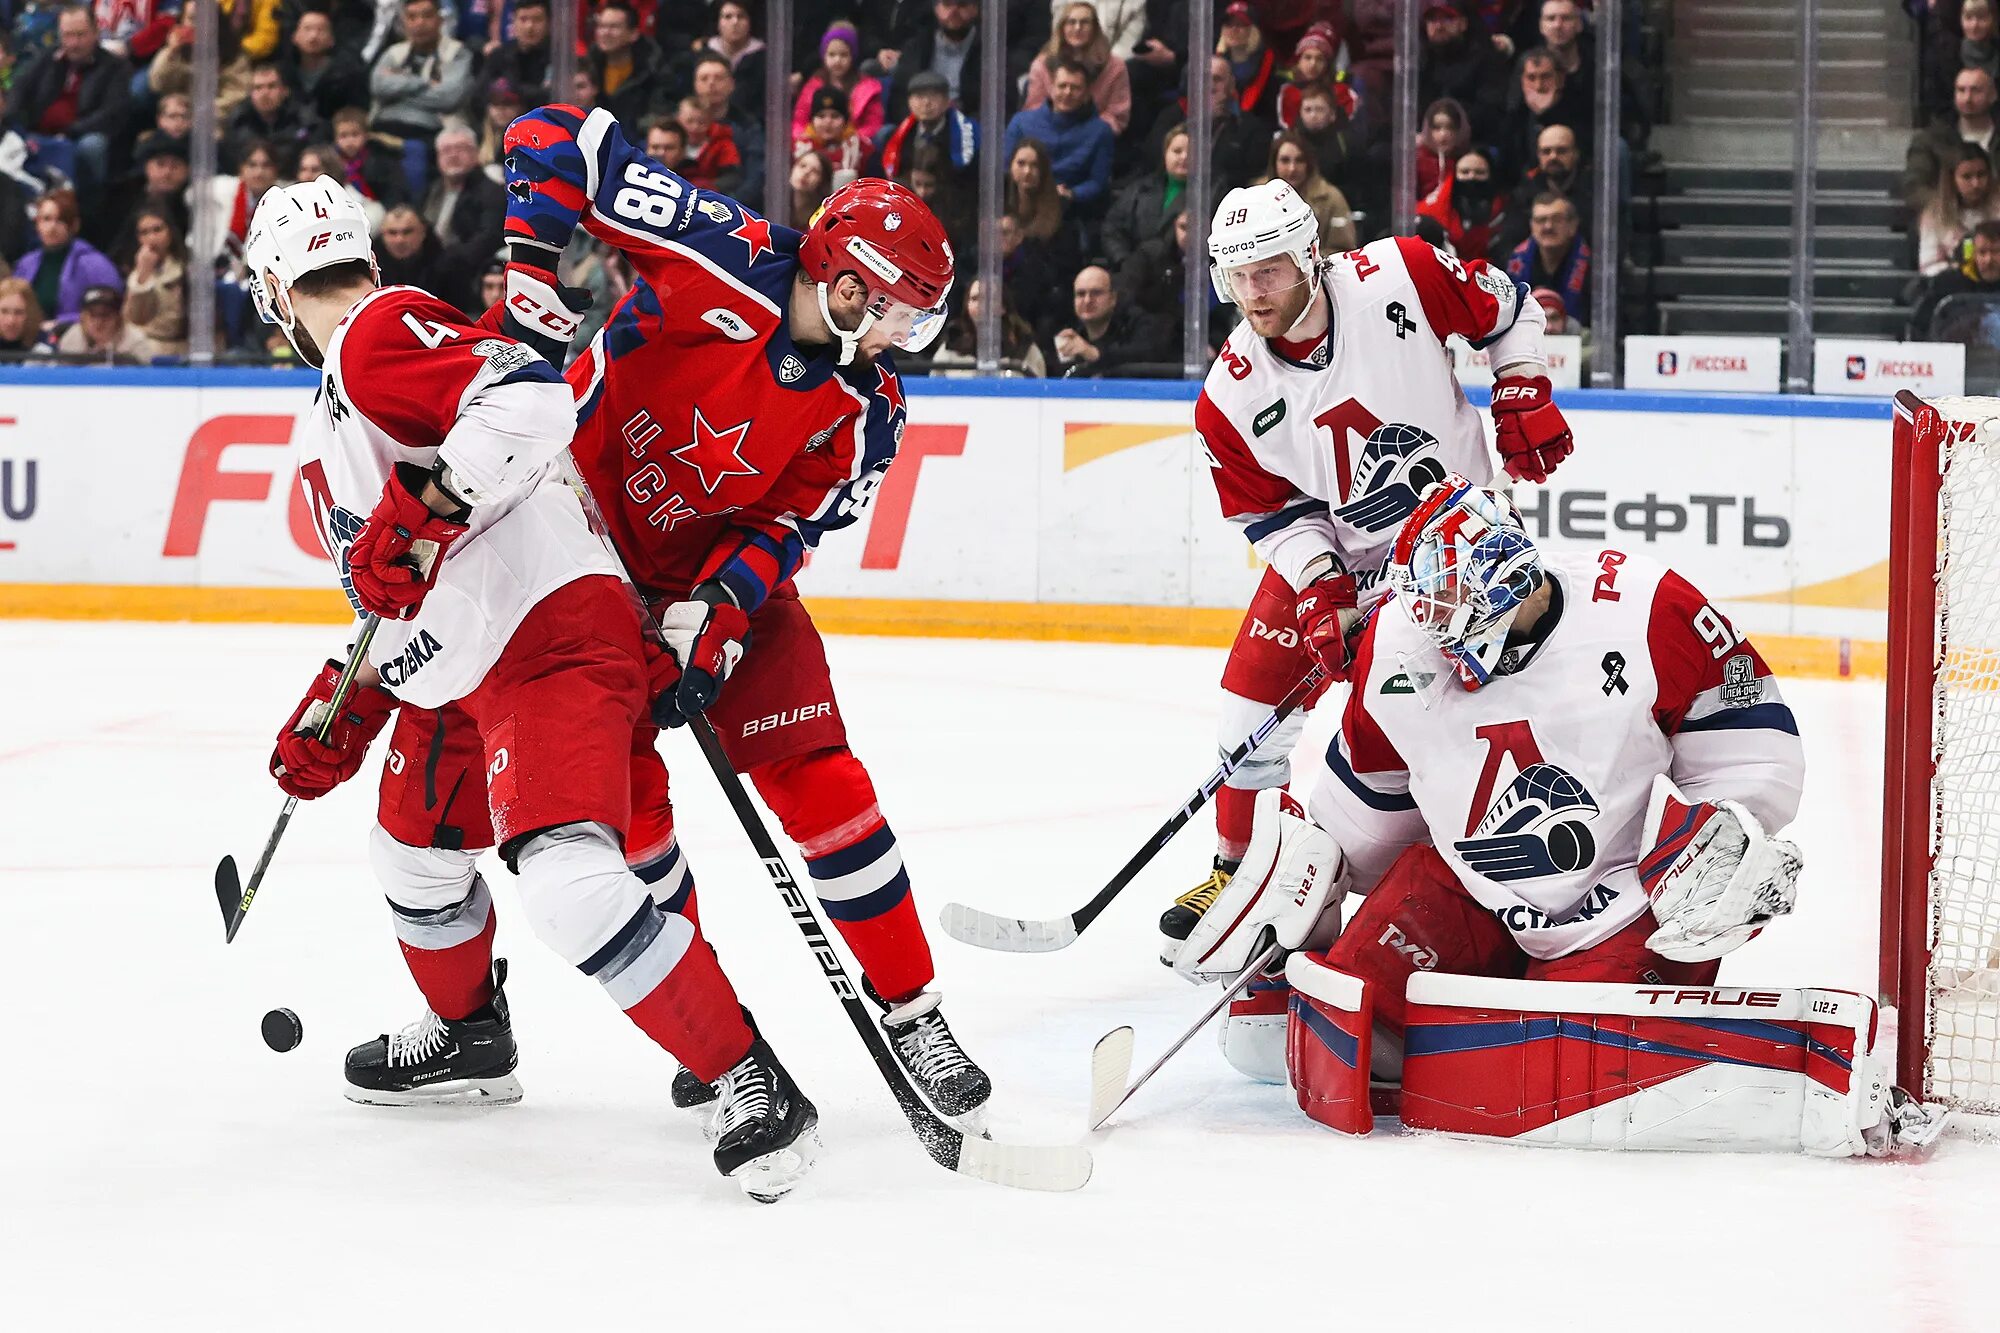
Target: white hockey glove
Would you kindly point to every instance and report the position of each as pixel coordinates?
(1288, 889)
(1714, 876)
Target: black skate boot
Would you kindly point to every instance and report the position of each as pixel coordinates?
(1178, 921)
(939, 1067)
(436, 1061)
(697, 1098)
(763, 1125)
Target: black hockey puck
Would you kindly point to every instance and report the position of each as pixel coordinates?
(282, 1030)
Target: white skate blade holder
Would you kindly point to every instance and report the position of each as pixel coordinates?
(503, 1090)
(771, 1177)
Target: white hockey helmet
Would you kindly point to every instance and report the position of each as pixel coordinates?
(297, 229)
(1256, 222)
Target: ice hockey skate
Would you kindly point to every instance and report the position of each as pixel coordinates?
(439, 1061)
(763, 1126)
(1179, 920)
(936, 1064)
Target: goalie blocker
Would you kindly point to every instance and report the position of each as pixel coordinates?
(1591, 1065)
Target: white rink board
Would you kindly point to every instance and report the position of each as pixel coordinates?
(1099, 500)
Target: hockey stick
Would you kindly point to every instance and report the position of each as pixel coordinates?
(1111, 1061)
(230, 891)
(969, 925)
(1021, 1166)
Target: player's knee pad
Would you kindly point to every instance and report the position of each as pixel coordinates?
(585, 903)
(421, 879)
(1252, 1035)
(1600, 1065)
(1329, 1043)
(1270, 764)
(823, 798)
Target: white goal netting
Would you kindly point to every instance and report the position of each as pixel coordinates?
(1964, 981)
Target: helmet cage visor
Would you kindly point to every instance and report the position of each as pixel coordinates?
(1464, 579)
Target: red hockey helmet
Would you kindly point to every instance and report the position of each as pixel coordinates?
(888, 238)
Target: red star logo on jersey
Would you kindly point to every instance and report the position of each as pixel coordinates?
(712, 452)
(755, 233)
(890, 388)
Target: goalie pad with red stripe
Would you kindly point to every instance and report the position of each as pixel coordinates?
(1693, 1068)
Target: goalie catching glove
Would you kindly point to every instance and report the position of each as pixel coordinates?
(1288, 891)
(1713, 875)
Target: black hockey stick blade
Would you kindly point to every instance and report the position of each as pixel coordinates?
(229, 892)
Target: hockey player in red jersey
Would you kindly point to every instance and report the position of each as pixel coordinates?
(741, 402)
(1548, 771)
(1331, 407)
(512, 662)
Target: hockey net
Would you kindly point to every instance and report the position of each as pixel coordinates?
(1941, 799)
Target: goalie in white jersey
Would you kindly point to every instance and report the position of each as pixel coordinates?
(1331, 408)
(1547, 771)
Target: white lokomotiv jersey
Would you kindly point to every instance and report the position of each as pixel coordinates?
(1534, 788)
(408, 379)
(1330, 454)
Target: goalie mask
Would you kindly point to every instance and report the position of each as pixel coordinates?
(1463, 565)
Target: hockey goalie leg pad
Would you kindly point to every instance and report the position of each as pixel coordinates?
(1329, 1044)
(1688, 1068)
(827, 805)
(587, 905)
(1253, 1031)
(444, 920)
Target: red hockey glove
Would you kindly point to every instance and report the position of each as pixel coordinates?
(1529, 428)
(1326, 609)
(390, 572)
(705, 638)
(307, 767)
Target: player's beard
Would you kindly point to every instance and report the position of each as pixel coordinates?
(1276, 315)
(302, 343)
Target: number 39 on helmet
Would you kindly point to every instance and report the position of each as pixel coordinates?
(1259, 222)
(890, 240)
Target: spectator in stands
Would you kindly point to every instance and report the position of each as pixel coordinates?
(101, 333)
(492, 284)
(1977, 274)
(1976, 48)
(156, 283)
(811, 180)
(236, 200)
(1469, 207)
(1564, 38)
(627, 66)
(1154, 57)
(1543, 97)
(961, 338)
(1147, 201)
(406, 250)
(1964, 198)
(423, 80)
(1312, 67)
(172, 70)
(322, 76)
(1446, 133)
(933, 122)
(467, 212)
(1371, 51)
(161, 182)
(1078, 142)
(1104, 337)
(523, 59)
(81, 93)
(583, 88)
(715, 89)
(949, 47)
(20, 318)
(370, 167)
(1328, 132)
(173, 118)
(271, 115)
(1554, 256)
(255, 23)
(932, 180)
(14, 155)
(1459, 63)
(1253, 65)
(1078, 36)
(1240, 142)
(713, 160)
(133, 30)
(1030, 279)
(1559, 167)
(1031, 194)
(667, 143)
(1969, 121)
(736, 41)
(503, 103)
(838, 70)
(830, 134)
(1292, 162)
(323, 159)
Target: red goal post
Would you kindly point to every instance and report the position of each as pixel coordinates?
(1940, 937)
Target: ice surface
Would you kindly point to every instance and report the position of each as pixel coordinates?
(161, 1169)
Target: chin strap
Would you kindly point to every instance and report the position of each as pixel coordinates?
(850, 343)
(1307, 308)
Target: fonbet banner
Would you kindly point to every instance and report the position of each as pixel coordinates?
(1870, 368)
(1064, 505)
(1702, 364)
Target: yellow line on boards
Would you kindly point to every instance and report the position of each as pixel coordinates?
(1210, 627)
